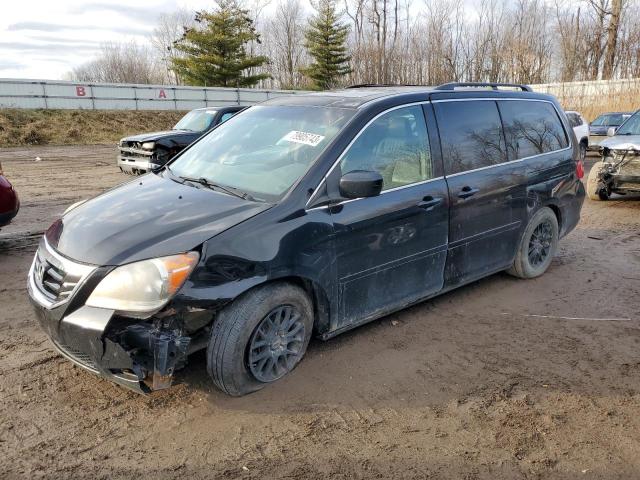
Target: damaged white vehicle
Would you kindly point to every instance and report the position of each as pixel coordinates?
(619, 169)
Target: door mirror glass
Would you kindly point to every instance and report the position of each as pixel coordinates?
(360, 183)
(611, 131)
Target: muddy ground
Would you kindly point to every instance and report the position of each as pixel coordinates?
(502, 379)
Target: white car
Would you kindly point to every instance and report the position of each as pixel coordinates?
(581, 129)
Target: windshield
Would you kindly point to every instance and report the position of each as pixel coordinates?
(264, 150)
(631, 126)
(196, 120)
(611, 120)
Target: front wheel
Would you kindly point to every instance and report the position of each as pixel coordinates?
(259, 338)
(537, 246)
(595, 189)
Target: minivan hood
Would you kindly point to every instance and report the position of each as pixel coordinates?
(622, 142)
(155, 136)
(148, 217)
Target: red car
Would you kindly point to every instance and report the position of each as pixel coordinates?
(9, 203)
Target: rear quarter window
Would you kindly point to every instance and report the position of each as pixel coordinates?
(470, 134)
(531, 128)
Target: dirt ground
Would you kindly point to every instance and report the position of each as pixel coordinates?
(502, 379)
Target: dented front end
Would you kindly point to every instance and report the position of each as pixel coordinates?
(621, 169)
(142, 355)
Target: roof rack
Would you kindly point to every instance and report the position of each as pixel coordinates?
(493, 86)
(366, 85)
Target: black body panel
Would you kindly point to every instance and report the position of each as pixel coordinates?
(150, 216)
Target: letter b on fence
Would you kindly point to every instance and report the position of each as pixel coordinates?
(81, 92)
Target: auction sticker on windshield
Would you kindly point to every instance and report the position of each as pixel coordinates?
(305, 138)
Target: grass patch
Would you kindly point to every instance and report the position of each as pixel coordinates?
(78, 127)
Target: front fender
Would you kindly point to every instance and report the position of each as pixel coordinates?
(263, 249)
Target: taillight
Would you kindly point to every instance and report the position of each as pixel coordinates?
(579, 169)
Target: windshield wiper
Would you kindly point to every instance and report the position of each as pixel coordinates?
(216, 186)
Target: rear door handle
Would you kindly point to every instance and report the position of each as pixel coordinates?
(467, 192)
(429, 203)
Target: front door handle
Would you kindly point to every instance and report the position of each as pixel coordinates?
(429, 203)
(467, 192)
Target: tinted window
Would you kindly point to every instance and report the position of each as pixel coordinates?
(574, 119)
(610, 119)
(471, 135)
(531, 128)
(396, 145)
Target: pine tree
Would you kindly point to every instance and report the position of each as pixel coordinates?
(326, 42)
(215, 51)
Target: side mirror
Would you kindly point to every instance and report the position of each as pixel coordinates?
(611, 131)
(360, 183)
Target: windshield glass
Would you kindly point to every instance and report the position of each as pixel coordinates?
(611, 120)
(196, 120)
(631, 126)
(264, 150)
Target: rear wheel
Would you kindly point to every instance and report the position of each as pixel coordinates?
(259, 338)
(537, 246)
(595, 189)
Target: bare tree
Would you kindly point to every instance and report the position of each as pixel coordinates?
(612, 39)
(170, 28)
(120, 63)
(284, 37)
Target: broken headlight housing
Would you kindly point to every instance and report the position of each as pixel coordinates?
(140, 289)
(148, 145)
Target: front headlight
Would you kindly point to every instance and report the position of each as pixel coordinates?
(142, 288)
(148, 145)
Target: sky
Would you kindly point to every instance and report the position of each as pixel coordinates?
(45, 39)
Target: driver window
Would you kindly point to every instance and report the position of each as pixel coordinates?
(396, 145)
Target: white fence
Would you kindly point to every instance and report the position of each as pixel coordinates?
(18, 93)
(597, 88)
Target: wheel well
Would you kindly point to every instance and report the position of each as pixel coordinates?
(585, 141)
(316, 294)
(556, 210)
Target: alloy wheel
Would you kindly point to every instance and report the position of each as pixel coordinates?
(540, 244)
(276, 344)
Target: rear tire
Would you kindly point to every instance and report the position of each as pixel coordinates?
(243, 332)
(595, 190)
(538, 245)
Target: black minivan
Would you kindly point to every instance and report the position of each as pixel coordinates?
(309, 214)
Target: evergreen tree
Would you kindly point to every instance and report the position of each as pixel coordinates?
(326, 42)
(215, 50)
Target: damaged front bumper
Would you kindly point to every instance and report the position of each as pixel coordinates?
(138, 354)
(621, 171)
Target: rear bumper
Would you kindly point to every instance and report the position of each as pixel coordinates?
(5, 218)
(9, 202)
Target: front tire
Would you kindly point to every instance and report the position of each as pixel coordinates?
(259, 338)
(595, 189)
(538, 245)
